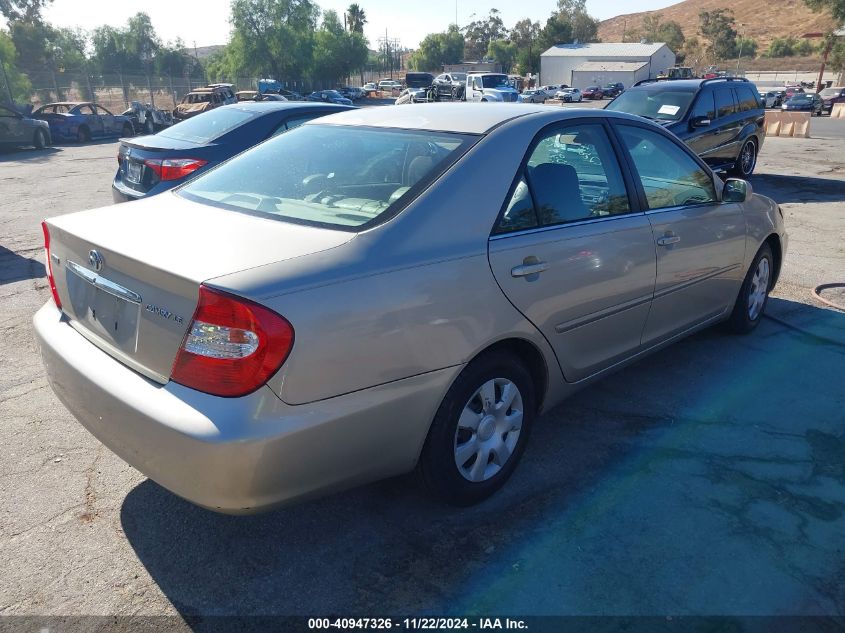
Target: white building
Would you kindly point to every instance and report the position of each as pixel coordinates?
(582, 65)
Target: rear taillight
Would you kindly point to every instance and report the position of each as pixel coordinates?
(174, 168)
(49, 265)
(232, 347)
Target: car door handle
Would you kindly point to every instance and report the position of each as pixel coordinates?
(666, 240)
(528, 269)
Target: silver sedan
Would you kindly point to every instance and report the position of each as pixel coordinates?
(295, 322)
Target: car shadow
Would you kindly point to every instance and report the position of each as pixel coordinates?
(14, 267)
(785, 189)
(657, 490)
(28, 154)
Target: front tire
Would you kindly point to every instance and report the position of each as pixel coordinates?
(39, 141)
(754, 293)
(479, 431)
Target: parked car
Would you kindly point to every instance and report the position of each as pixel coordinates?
(82, 121)
(254, 95)
(720, 119)
(389, 85)
(147, 118)
(569, 95)
(369, 89)
(204, 99)
(295, 322)
(246, 95)
(328, 96)
(771, 98)
(149, 165)
(805, 102)
(613, 90)
(451, 85)
(351, 92)
(831, 96)
(412, 95)
(534, 95)
(592, 92)
(16, 130)
(791, 91)
(490, 87)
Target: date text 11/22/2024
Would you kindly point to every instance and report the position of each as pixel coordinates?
(423, 623)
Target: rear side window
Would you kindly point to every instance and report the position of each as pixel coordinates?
(746, 98)
(670, 176)
(725, 105)
(571, 175)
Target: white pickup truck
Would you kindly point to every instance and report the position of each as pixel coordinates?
(490, 87)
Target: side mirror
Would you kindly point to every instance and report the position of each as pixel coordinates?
(699, 121)
(737, 190)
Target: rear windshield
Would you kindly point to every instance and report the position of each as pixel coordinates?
(664, 105)
(332, 176)
(208, 126)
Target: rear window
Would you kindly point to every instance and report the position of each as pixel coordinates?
(332, 176)
(661, 104)
(208, 126)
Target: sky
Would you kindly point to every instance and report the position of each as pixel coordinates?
(206, 22)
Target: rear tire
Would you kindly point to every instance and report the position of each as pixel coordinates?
(746, 161)
(486, 415)
(754, 293)
(39, 141)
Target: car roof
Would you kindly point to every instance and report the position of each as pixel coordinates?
(273, 106)
(465, 118)
(68, 103)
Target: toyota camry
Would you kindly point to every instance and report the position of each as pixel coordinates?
(294, 322)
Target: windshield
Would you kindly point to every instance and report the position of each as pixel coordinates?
(495, 81)
(208, 126)
(306, 175)
(197, 98)
(800, 98)
(663, 105)
(462, 77)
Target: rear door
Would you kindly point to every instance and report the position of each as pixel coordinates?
(572, 252)
(700, 242)
(728, 125)
(108, 120)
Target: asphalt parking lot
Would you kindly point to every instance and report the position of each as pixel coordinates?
(708, 479)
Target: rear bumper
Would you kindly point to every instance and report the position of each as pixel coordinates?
(121, 193)
(238, 455)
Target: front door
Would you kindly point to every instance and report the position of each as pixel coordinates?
(572, 254)
(700, 242)
(11, 127)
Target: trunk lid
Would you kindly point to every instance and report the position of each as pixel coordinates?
(152, 256)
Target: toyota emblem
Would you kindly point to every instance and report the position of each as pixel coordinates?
(96, 260)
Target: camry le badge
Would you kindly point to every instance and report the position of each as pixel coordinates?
(95, 260)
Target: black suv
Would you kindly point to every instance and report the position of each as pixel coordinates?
(720, 119)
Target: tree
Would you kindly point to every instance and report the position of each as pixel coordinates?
(28, 11)
(336, 52)
(558, 30)
(717, 26)
(438, 49)
(693, 53)
(836, 8)
(525, 36)
(654, 29)
(781, 47)
(356, 18)
(276, 37)
(747, 46)
(504, 52)
(19, 84)
(480, 33)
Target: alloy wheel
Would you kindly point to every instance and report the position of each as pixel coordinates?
(748, 158)
(488, 429)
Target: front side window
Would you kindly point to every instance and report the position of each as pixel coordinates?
(84, 109)
(669, 175)
(572, 174)
(306, 175)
